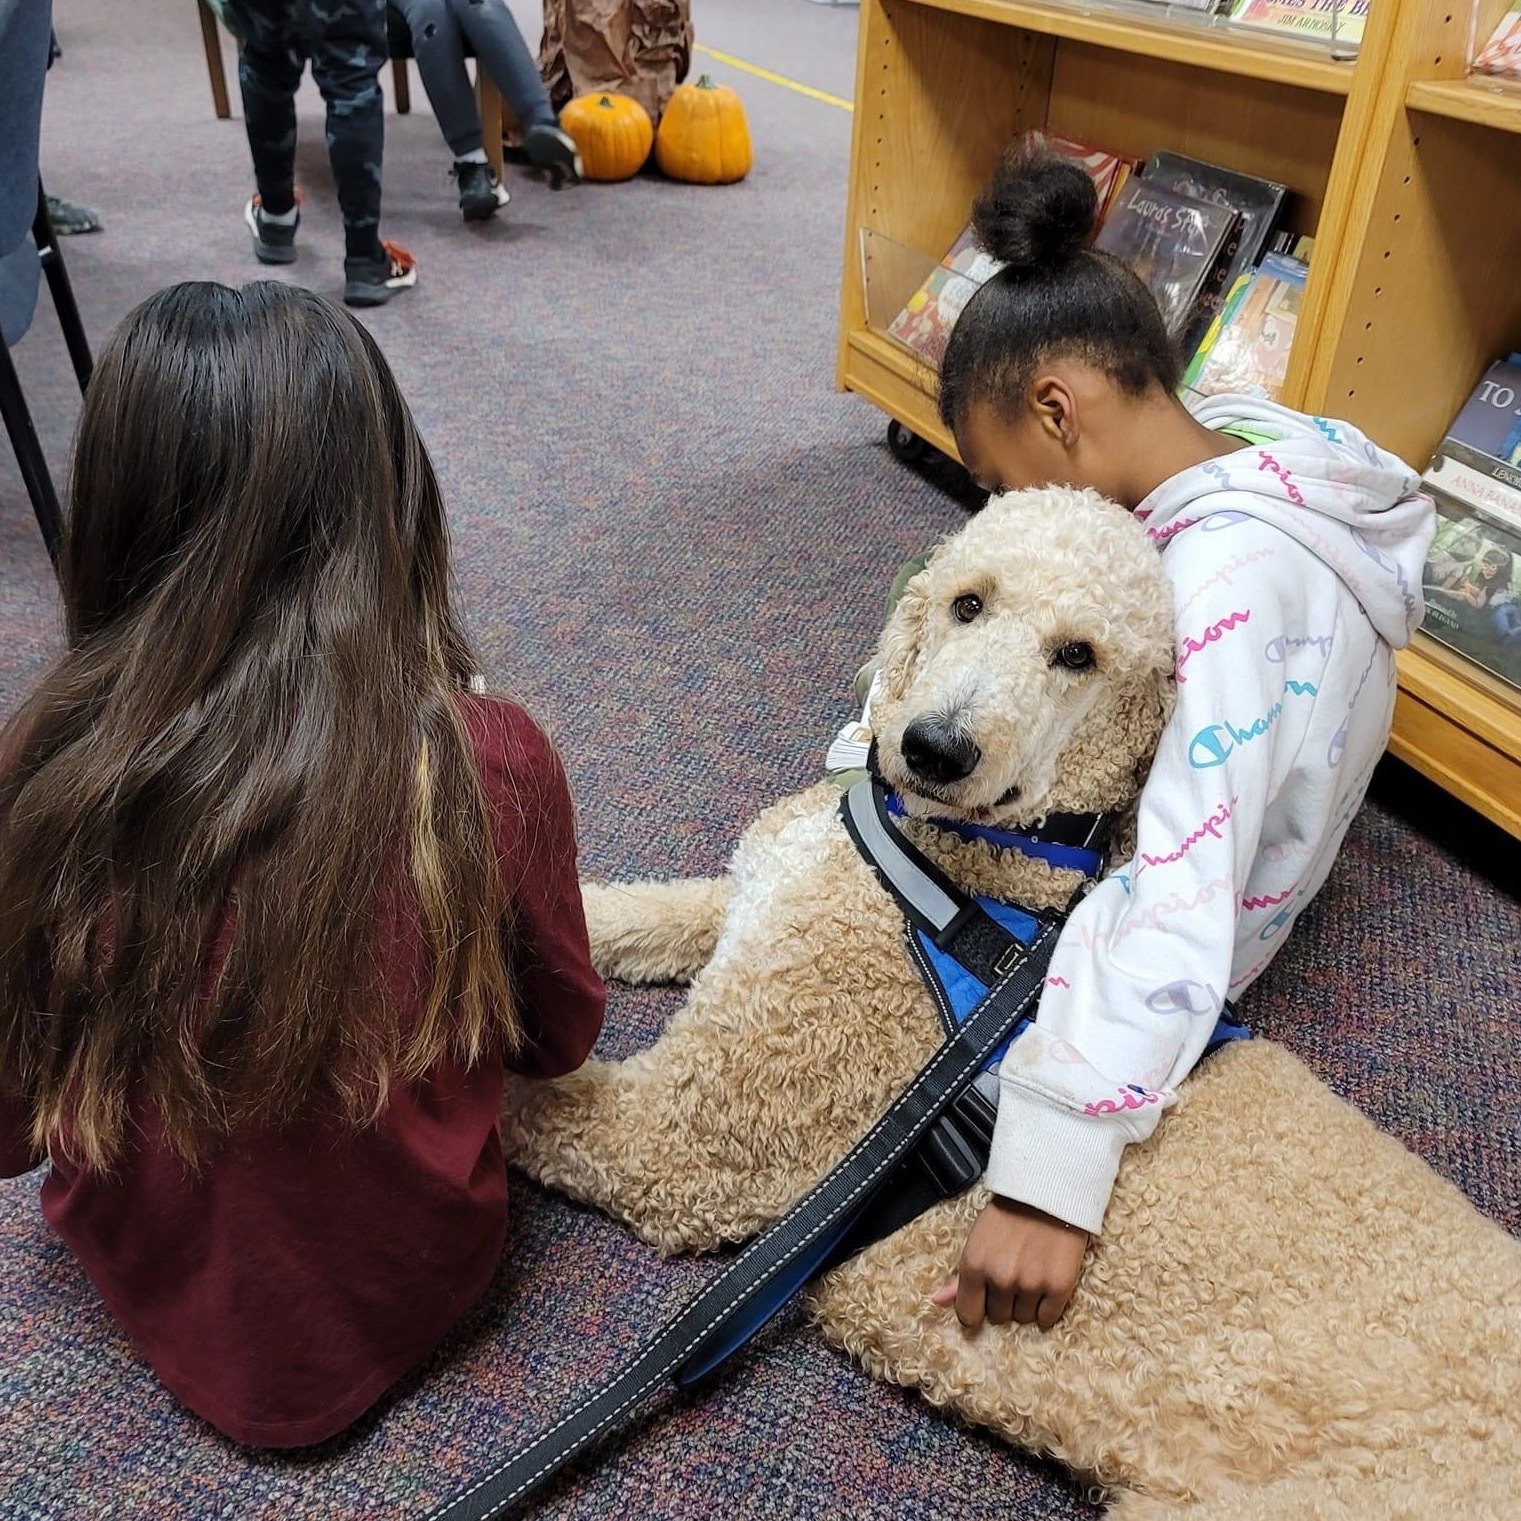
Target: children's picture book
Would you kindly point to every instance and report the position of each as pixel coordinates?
(1501, 55)
(1107, 170)
(1173, 243)
(1258, 203)
(1472, 583)
(924, 325)
(1246, 351)
(1328, 21)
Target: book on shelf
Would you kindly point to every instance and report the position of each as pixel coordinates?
(925, 322)
(1246, 351)
(1257, 202)
(1334, 22)
(1478, 463)
(1472, 587)
(1501, 55)
(1173, 242)
(1473, 570)
(1296, 245)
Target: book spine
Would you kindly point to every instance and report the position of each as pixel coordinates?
(1210, 300)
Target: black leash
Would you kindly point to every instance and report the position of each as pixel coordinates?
(772, 1267)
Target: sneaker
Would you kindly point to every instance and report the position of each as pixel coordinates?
(554, 151)
(372, 282)
(481, 193)
(274, 243)
(70, 219)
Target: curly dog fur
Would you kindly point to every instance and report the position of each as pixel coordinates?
(1287, 1314)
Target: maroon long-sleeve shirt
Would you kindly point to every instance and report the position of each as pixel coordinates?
(281, 1290)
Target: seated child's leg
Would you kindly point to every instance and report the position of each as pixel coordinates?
(439, 47)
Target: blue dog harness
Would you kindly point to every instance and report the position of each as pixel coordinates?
(962, 944)
(1068, 842)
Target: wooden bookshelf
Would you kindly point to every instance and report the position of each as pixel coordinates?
(1405, 172)
(1427, 295)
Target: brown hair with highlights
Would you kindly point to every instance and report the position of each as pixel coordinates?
(255, 719)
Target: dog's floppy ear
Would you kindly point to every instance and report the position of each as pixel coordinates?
(1146, 715)
(901, 647)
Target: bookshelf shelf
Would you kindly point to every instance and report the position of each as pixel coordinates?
(1462, 100)
(1458, 725)
(1188, 40)
(1403, 170)
(876, 368)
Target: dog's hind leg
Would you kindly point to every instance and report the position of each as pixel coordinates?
(655, 931)
(637, 1140)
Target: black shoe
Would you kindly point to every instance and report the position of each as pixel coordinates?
(481, 193)
(372, 282)
(273, 243)
(70, 219)
(555, 152)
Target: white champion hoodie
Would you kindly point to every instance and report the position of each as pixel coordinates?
(1296, 569)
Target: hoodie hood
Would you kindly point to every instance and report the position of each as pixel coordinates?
(1352, 504)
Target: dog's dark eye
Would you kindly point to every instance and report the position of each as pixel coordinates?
(1075, 655)
(966, 608)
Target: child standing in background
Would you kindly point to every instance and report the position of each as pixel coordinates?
(279, 899)
(345, 42)
(1295, 547)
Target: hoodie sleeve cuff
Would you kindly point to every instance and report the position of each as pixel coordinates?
(1054, 1159)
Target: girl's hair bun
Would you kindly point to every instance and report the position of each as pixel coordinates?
(1037, 212)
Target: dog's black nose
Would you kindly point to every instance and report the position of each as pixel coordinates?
(939, 752)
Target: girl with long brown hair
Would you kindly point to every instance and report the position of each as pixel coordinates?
(279, 898)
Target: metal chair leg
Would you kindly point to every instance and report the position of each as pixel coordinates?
(50, 256)
(34, 467)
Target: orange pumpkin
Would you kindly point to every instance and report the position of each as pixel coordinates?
(704, 138)
(612, 132)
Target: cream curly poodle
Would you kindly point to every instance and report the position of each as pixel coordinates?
(1287, 1313)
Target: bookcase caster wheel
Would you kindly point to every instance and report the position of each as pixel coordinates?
(905, 444)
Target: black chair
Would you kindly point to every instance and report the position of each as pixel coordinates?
(13, 407)
(28, 245)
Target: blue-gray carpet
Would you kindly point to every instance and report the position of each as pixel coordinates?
(672, 539)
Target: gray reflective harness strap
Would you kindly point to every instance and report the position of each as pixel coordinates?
(953, 919)
(907, 879)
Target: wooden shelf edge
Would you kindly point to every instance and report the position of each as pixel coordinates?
(1446, 681)
(1205, 47)
(891, 379)
(1462, 100)
(1463, 736)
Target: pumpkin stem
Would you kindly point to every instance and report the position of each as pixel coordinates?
(705, 82)
(604, 101)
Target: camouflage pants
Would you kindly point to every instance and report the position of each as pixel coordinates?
(345, 42)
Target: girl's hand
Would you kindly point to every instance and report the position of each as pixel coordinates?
(1018, 1264)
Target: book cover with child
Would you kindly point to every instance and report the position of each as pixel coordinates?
(1472, 584)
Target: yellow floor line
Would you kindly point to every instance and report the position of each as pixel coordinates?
(776, 79)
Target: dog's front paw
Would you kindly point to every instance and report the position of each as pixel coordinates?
(654, 931)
